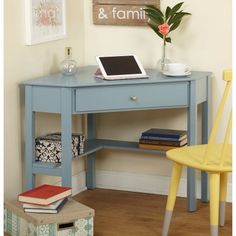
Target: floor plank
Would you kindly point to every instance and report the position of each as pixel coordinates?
(120, 213)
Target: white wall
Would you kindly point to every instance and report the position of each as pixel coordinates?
(24, 62)
(203, 41)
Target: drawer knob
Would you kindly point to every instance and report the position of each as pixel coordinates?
(133, 98)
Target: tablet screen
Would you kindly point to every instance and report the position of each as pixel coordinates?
(121, 65)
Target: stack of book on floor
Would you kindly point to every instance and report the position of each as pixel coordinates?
(46, 198)
(163, 139)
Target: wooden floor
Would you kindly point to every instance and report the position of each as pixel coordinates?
(119, 213)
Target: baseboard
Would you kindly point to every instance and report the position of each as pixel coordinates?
(145, 183)
(137, 182)
(78, 183)
(154, 184)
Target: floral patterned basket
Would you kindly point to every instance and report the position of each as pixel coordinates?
(48, 148)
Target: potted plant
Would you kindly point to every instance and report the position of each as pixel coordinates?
(163, 23)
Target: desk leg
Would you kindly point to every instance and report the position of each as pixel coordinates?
(66, 131)
(192, 121)
(206, 125)
(91, 158)
(204, 176)
(29, 177)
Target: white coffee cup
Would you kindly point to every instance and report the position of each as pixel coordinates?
(177, 68)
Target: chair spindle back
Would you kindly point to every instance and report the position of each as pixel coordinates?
(227, 76)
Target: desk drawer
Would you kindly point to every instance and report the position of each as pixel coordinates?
(131, 97)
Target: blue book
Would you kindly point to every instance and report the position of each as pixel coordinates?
(165, 134)
(163, 138)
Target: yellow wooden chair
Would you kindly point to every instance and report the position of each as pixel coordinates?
(216, 159)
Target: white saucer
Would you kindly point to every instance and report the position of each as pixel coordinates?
(176, 75)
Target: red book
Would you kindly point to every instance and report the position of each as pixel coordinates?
(44, 194)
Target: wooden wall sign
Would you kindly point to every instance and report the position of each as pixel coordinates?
(121, 12)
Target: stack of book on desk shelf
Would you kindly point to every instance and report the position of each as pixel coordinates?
(45, 199)
(163, 139)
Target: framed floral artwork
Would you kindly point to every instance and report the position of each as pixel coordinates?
(45, 20)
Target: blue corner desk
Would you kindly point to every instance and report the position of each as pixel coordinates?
(84, 94)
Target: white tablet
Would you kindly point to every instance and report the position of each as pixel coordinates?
(120, 67)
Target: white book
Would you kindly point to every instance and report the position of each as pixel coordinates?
(52, 206)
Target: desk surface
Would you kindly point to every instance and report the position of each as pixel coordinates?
(85, 77)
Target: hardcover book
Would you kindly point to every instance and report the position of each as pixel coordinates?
(45, 210)
(165, 133)
(44, 194)
(156, 147)
(163, 138)
(164, 142)
(52, 206)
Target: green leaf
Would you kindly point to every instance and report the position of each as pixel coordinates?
(167, 14)
(175, 25)
(176, 8)
(170, 21)
(168, 40)
(158, 11)
(154, 19)
(154, 15)
(153, 12)
(186, 13)
(178, 16)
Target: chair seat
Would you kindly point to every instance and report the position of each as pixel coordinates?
(194, 156)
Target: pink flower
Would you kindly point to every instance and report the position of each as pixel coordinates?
(164, 29)
(44, 20)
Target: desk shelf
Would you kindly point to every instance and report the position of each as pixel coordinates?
(117, 145)
(92, 146)
(46, 168)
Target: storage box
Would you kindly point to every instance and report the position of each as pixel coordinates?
(75, 219)
(48, 148)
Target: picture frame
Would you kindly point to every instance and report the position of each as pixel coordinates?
(45, 20)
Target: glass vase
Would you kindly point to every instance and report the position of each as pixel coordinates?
(162, 63)
(68, 66)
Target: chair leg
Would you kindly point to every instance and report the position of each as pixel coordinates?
(223, 192)
(174, 184)
(214, 202)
